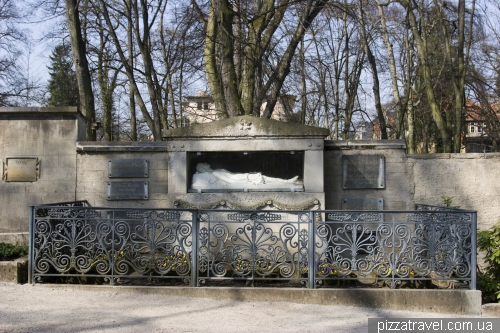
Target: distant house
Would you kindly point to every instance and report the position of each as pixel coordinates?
(198, 109)
(201, 109)
(481, 133)
(370, 130)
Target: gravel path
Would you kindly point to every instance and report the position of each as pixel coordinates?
(44, 308)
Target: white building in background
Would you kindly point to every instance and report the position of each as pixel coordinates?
(201, 109)
(481, 129)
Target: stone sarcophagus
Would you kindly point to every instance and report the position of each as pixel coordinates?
(246, 163)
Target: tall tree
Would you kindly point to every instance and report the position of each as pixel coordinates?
(457, 43)
(87, 105)
(237, 93)
(366, 37)
(63, 86)
(9, 52)
(441, 29)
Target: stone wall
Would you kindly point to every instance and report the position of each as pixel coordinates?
(48, 134)
(471, 180)
(93, 178)
(71, 169)
(398, 193)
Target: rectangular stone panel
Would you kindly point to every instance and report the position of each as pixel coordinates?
(128, 168)
(363, 171)
(21, 169)
(363, 204)
(128, 190)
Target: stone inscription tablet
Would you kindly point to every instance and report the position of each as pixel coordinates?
(363, 171)
(21, 169)
(363, 204)
(128, 168)
(128, 190)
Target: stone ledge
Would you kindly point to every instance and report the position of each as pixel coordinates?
(456, 156)
(15, 271)
(138, 146)
(14, 238)
(461, 302)
(364, 144)
(490, 310)
(40, 113)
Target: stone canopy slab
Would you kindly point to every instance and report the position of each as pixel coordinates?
(246, 126)
(245, 146)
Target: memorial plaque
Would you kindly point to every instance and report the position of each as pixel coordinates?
(363, 204)
(21, 169)
(363, 171)
(128, 168)
(128, 190)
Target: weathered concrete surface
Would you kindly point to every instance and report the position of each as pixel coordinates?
(93, 178)
(458, 302)
(246, 126)
(15, 238)
(491, 310)
(15, 271)
(49, 308)
(48, 134)
(398, 193)
(469, 179)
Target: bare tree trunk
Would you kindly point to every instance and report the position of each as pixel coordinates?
(373, 65)
(211, 67)
(303, 84)
(131, 94)
(277, 78)
(458, 60)
(106, 94)
(237, 81)
(421, 42)
(87, 105)
(351, 78)
(106, 89)
(400, 111)
(152, 124)
(412, 147)
(144, 43)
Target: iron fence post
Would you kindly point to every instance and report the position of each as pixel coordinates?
(194, 249)
(112, 220)
(392, 262)
(473, 252)
(30, 245)
(311, 253)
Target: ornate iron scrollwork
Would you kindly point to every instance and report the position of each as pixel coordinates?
(386, 248)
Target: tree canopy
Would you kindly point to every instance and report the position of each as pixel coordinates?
(408, 69)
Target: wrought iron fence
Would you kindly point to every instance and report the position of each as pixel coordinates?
(422, 248)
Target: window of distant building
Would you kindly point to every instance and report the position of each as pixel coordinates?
(200, 104)
(205, 106)
(476, 127)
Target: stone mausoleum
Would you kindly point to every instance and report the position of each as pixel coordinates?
(238, 163)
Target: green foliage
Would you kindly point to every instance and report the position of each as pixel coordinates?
(489, 278)
(63, 87)
(9, 252)
(447, 201)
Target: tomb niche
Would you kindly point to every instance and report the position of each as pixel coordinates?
(246, 163)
